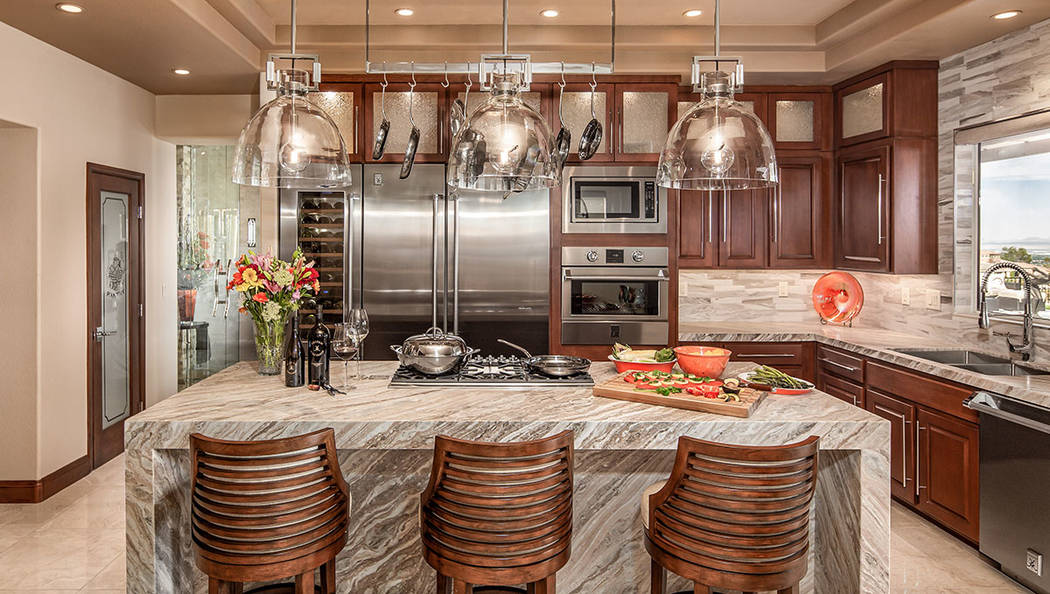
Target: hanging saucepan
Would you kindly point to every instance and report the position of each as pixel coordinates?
(592, 134)
(525, 169)
(413, 136)
(384, 128)
(552, 365)
(563, 144)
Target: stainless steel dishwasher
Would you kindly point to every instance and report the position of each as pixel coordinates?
(1015, 486)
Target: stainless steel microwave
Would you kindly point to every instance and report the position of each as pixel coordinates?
(613, 200)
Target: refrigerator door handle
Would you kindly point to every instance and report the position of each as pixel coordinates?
(434, 259)
(455, 263)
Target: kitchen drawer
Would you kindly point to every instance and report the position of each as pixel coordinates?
(842, 389)
(840, 363)
(774, 354)
(940, 395)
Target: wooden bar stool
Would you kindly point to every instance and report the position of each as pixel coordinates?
(497, 515)
(268, 510)
(732, 517)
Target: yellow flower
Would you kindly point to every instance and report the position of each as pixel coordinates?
(251, 278)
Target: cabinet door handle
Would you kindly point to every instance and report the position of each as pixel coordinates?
(777, 196)
(918, 474)
(710, 216)
(879, 216)
(840, 365)
(725, 215)
(766, 355)
(904, 452)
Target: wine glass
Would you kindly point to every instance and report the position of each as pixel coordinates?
(357, 329)
(344, 347)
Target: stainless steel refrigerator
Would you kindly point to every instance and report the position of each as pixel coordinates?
(502, 251)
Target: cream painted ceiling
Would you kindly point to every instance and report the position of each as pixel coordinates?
(224, 42)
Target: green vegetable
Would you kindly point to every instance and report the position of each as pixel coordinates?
(664, 355)
(774, 377)
(667, 390)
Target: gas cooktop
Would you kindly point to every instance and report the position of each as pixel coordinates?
(490, 371)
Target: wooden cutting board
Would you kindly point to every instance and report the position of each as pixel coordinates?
(620, 390)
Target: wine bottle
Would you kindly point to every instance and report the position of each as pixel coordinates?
(318, 343)
(294, 356)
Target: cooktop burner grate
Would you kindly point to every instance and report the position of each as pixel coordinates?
(491, 371)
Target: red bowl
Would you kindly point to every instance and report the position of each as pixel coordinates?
(622, 366)
(702, 360)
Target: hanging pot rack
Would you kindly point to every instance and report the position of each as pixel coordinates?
(492, 63)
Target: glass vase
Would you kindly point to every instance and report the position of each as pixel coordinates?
(269, 338)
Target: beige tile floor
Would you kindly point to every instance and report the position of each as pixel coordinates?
(74, 542)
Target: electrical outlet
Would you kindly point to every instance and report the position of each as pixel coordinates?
(933, 299)
(1033, 561)
(905, 296)
(782, 289)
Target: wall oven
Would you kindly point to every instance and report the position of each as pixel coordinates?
(613, 200)
(614, 295)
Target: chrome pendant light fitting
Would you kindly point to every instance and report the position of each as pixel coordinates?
(291, 142)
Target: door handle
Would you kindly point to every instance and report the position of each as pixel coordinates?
(879, 216)
(725, 215)
(918, 474)
(904, 452)
(99, 333)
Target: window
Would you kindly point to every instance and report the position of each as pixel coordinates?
(1013, 219)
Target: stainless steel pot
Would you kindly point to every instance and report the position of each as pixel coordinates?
(552, 365)
(434, 352)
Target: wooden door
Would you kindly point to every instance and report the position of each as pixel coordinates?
(115, 302)
(644, 116)
(863, 236)
(799, 213)
(948, 471)
(576, 111)
(428, 110)
(862, 110)
(901, 416)
(697, 243)
(342, 102)
(800, 120)
(743, 238)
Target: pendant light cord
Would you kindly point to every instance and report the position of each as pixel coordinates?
(506, 9)
(294, 3)
(718, 27)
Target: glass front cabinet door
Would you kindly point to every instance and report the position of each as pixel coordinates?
(862, 110)
(576, 112)
(426, 107)
(799, 120)
(342, 102)
(645, 114)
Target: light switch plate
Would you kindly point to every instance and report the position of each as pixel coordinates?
(905, 296)
(782, 289)
(933, 299)
(1033, 561)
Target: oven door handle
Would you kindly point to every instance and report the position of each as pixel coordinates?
(566, 275)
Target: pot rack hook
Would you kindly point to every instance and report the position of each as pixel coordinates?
(445, 84)
(412, 65)
(594, 79)
(412, 95)
(385, 82)
(562, 83)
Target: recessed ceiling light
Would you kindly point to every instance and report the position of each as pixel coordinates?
(1006, 14)
(70, 8)
(694, 12)
(404, 12)
(550, 13)
(180, 71)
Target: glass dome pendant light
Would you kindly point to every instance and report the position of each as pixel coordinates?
(718, 144)
(505, 145)
(291, 142)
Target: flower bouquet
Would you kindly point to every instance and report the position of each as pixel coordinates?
(272, 289)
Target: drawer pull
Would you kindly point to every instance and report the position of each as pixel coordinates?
(840, 365)
(918, 440)
(767, 355)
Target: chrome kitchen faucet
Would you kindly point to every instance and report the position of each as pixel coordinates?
(1027, 346)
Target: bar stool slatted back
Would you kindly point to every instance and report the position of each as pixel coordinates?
(498, 514)
(268, 510)
(734, 517)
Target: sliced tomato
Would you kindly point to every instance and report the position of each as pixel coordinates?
(680, 383)
(710, 389)
(630, 378)
(693, 391)
(644, 386)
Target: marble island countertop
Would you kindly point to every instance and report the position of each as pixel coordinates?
(877, 344)
(385, 438)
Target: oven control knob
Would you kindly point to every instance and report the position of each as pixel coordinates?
(592, 256)
(638, 255)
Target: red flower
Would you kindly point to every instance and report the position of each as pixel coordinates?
(312, 274)
(237, 278)
(260, 297)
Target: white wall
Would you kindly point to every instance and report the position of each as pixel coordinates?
(83, 114)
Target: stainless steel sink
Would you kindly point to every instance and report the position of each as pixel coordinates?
(973, 361)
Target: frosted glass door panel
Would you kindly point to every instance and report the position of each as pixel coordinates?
(683, 106)
(862, 111)
(532, 98)
(116, 397)
(576, 110)
(794, 121)
(425, 113)
(340, 105)
(644, 122)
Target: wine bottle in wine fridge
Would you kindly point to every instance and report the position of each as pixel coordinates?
(318, 343)
(294, 356)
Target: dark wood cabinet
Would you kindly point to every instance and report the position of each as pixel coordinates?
(834, 362)
(864, 209)
(844, 390)
(645, 113)
(901, 415)
(800, 120)
(697, 228)
(793, 358)
(743, 228)
(895, 99)
(947, 473)
(429, 112)
(800, 213)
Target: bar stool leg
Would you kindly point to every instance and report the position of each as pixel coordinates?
(443, 584)
(701, 589)
(658, 578)
(328, 577)
(304, 583)
(789, 590)
(544, 586)
(217, 586)
(461, 587)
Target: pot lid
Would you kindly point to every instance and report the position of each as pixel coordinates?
(434, 340)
